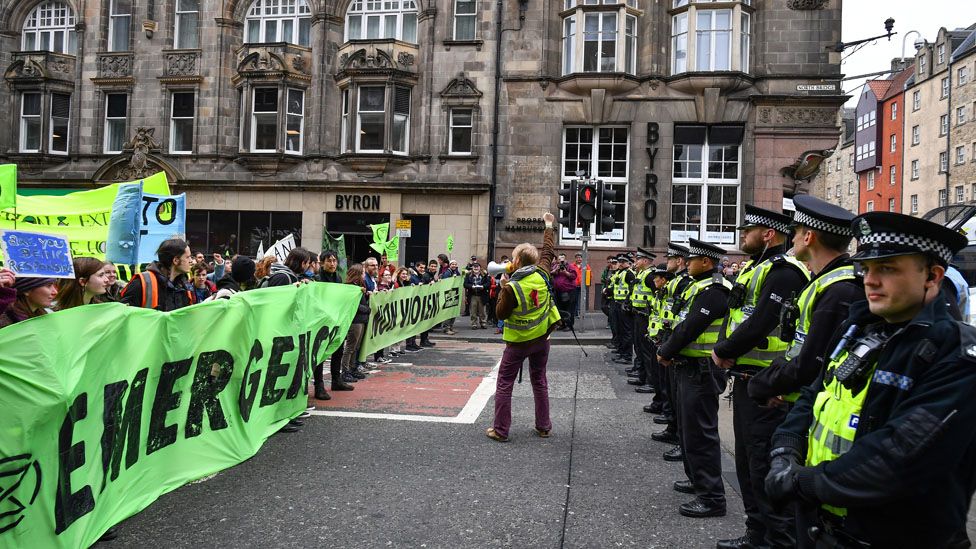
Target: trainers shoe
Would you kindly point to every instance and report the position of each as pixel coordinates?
(383, 360)
(427, 343)
(542, 433)
(493, 435)
(304, 415)
(413, 349)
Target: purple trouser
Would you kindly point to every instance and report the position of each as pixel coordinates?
(538, 354)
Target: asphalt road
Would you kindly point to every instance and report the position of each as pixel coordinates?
(369, 481)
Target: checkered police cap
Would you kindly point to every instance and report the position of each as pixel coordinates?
(886, 234)
(758, 217)
(802, 218)
(697, 248)
(677, 250)
(822, 216)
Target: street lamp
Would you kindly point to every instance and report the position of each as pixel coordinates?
(919, 42)
(889, 24)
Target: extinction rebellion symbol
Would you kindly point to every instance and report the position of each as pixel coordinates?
(20, 482)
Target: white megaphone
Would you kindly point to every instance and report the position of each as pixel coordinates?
(495, 269)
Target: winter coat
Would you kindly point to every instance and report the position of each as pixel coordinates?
(280, 276)
(477, 285)
(173, 294)
(226, 287)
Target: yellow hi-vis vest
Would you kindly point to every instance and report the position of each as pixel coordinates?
(655, 312)
(532, 316)
(667, 298)
(808, 300)
(752, 278)
(641, 295)
(836, 413)
(621, 290)
(702, 345)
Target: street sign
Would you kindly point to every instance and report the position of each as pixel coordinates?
(403, 228)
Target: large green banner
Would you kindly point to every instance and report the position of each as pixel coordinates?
(107, 407)
(398, 314)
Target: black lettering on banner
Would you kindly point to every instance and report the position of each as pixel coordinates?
(160, 434)
(245, 399)
(415, 309)
(71, 506)
(300, 379)
(166, 207)
(404, 313)
(325, 334)
(122, 431)
(280, 346)
(214, 369)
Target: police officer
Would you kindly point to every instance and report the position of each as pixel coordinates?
(750, 342)
(640, 296)
(678, 265)
(660, 276)
(701, 307)
(886, 435)
(822, 236)
(621, 298)
(611, 280)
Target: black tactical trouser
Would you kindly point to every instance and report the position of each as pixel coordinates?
(643, 349)
(671, 375)
(614, 319)
(625, 331)
(699, 384)
(754, 426)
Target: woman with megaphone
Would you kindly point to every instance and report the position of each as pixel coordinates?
(527, 306)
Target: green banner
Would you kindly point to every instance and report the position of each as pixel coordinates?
(336, 244)
(398, 314)
(82, 216)
(8, 186)
(107, 407)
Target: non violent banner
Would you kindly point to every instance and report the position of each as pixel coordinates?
(107, 407)
(83, 216)
(404, 312)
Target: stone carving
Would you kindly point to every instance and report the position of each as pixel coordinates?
(805, 116)
(766, 115)
(260, 61)
(461, 87)
(31, 69)
(40, 65)
(114, 66)
(803, 5)
(363, 60)
(181, 64)
(140, 146)
(60, 66)
(406, 59)
(807, 166)
(298, 63)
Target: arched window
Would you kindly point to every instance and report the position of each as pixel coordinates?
(279, 21)
(50, 27)
(379, 19)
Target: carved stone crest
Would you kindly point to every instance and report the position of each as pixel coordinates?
(461, 87)
(805, 5)
(361, 59)
(406, 59)
(139, 147)
(260, 61)
(298, 63)
(114, 66)
(181, 64)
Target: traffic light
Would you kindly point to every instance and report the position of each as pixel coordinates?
(567, 206)
(604, 207)
(586, 209)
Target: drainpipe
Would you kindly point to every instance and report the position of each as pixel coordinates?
(948, 134)
(493, 190)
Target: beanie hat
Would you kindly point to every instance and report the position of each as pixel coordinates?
(24, 285)
(242, 269)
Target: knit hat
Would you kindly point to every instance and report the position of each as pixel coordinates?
(24, 284)
(242, 269)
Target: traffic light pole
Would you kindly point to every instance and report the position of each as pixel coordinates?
(584, 290)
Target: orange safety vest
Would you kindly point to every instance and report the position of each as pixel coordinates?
(150, 291)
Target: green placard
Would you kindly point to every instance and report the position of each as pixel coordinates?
(398, 314)
(107, 407)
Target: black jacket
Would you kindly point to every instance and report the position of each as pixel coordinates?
(911, 473)
(324, 276)
(782, 281)
(477, 285)
(829, 311)
(362, 313)
(712, 303)
(281, 276)
(173, 294)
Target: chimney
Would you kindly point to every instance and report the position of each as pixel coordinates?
(899, 64)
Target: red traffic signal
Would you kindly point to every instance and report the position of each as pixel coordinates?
(586, 211)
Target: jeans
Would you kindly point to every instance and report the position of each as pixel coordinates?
(477, 311)
(351, 350)
(512, 359)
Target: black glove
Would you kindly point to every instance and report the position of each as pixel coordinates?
(782, 480)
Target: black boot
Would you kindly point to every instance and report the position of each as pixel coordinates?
(321, 393)
(340, 385)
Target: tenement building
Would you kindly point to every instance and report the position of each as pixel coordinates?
(464, 116)
(837, 183)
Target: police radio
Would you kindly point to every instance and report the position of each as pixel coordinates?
(853, 372)
(737, 296)
(788, 317)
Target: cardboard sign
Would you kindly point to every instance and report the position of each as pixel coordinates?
(37, 255)
(282, 247)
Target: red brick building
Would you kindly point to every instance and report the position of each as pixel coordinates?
(878, 143)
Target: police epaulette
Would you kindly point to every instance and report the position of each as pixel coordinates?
(967, 341)
(717, 278)
(779, 258)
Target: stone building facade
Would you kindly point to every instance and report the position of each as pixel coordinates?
(962, 139)
(310, 115)
(837, 182)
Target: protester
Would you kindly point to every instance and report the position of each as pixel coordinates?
(477, 285)
(429, 276)
(89, 284)
(582, 282)
(163, 285)
(220, 267)
(113, 287)
(449, 269)
(433, 270)
(7, 292)
(354, 336)
(240, 278)
(528, 323)
(201, 286)
(298, 261)
(405, 279)
(34, 298)
(564, 283)
(328, 272)
(262, 269)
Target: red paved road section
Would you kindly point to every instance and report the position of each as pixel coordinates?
(438, 383)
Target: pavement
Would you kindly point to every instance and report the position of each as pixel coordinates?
(402, 461)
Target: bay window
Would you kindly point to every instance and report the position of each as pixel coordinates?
(30, 122)
(707, 173)
(295, 121)
(603, 153)
(60, 114)
(709, 39)
(371, 118)
(276, 121)
(382, 119)
(382, 19)
(50, 26)
(278, 21)
(599, 41)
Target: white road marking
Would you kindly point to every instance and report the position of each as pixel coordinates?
(469, 414)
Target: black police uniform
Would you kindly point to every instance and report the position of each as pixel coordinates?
(625, 323)
(644, 358)
(698, 385)
(909, 476)
(753, 424)
(654, 373)
(670, 408)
